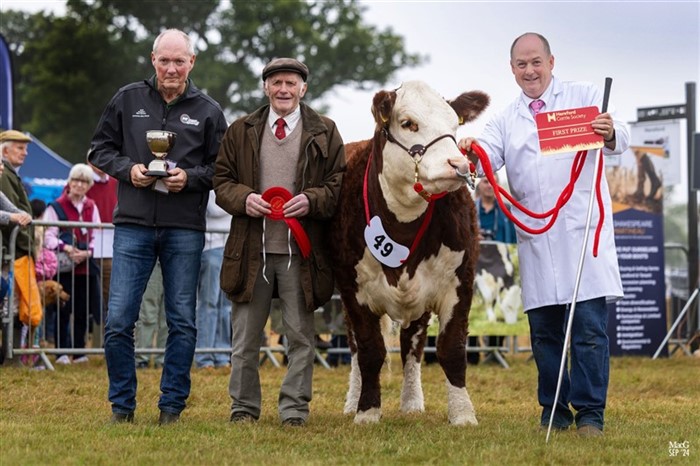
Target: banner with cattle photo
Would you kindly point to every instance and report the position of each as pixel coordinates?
(497, 307)
(637, 323)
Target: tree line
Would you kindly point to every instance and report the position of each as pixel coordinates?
(66, 68)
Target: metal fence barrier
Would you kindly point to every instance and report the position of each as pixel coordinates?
(34, 345)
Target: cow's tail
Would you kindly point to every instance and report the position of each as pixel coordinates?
(387, 327)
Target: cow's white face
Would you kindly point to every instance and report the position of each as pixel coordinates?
(419, 116)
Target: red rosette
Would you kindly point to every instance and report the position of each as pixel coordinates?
(277, 196)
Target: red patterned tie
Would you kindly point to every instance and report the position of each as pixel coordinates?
(279, 132)
(536, 106)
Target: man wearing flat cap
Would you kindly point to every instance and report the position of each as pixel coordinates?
(278, 173)
(13, 148)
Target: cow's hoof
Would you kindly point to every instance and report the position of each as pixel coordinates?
(464, 420)
(371, 416)
(414, 406)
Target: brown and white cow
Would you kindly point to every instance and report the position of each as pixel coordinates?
(405, 254)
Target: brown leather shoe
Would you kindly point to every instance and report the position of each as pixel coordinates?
(588, 430)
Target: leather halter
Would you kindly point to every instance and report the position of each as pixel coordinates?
(416, 149)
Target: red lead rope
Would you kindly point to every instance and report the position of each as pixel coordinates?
(564, 197)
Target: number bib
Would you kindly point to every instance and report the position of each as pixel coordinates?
(382, 247)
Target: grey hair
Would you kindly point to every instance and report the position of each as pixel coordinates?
(188, 40)
(82, 171)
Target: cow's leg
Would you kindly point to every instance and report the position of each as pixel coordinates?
(451, 353)
(412, 346)
(355, 382)
(368, 360)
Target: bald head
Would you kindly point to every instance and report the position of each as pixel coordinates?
(545, 42)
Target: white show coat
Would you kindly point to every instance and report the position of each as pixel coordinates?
(549, 261)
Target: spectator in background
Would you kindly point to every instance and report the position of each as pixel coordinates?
(157, 218)
(152, 328)
(104, 193)
(46, 263)
(46, 267)
(13, 149)
(9, 215)
(83, 281)
(213, 307)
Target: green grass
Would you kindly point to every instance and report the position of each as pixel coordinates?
(61, 418)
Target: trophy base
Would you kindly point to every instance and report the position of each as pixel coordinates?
(157, 168)
(158, 173)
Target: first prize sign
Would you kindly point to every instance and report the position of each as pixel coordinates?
(567, 130)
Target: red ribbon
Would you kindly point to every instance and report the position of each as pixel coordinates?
(277, 196)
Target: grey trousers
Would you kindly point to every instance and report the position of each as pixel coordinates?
(248, 322)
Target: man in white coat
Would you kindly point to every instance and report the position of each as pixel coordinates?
(548, 262)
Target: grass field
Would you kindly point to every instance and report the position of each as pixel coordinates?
(61, 418)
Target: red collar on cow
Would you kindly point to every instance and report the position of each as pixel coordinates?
(383, 248)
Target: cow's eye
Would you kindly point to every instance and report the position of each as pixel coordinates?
(409, 125)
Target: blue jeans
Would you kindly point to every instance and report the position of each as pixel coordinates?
(585, 386)
(213, 312)
(136, 249)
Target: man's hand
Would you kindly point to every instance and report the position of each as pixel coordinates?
(139, 178)
(177, 180)
(603, 125)
(256, 206)
(461, 165)
(298, 206)
(465, 145)
(21, 218)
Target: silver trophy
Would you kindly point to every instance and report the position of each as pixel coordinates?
(160, 143)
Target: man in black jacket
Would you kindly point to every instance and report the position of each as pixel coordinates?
(157, 218)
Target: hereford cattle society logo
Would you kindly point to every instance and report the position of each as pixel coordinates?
(186, 120)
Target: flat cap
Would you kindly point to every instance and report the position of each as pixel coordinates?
(14, 135)
(285, 64)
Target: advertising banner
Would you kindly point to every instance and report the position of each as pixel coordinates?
(5, 85)
(661, 142)
(637, 323)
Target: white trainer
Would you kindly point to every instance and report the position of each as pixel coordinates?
(64, 360)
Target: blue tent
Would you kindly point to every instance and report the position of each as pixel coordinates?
(43, 172)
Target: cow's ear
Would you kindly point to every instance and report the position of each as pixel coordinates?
(469, 105)
(382, 105)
